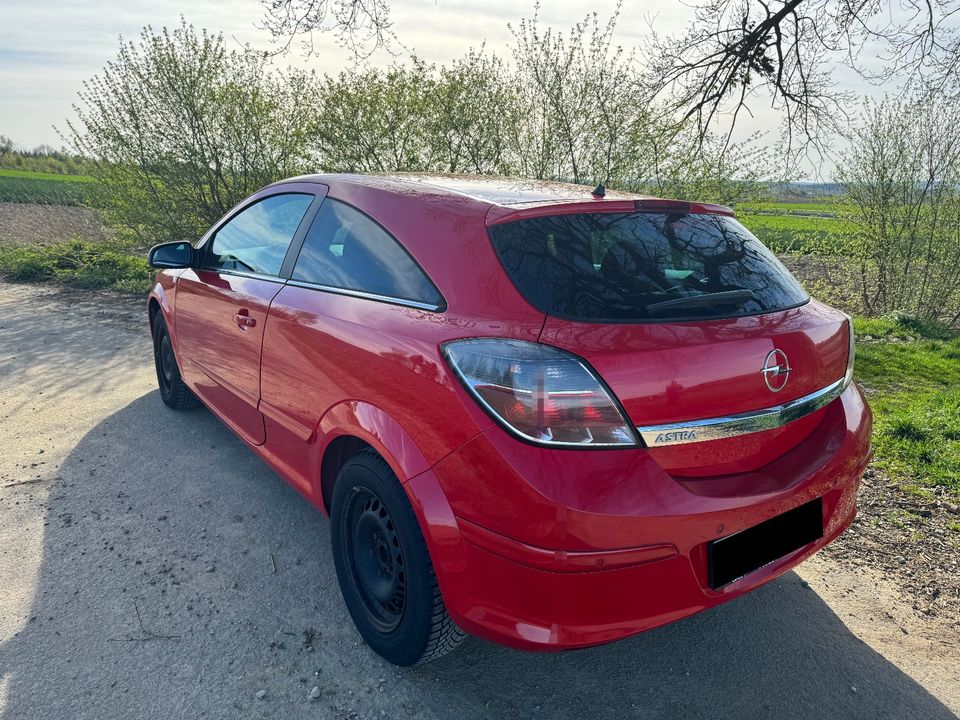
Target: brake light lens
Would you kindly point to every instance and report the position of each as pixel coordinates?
(539, 393)
(851, 354)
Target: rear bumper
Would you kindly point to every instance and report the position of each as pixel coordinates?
(551, 550)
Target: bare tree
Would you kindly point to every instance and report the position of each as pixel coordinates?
(580, 99)
(583, 116)
(736, 52)
(361, 26)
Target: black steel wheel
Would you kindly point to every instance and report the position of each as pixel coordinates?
(173, 390)
(383, 566)
(377, 558)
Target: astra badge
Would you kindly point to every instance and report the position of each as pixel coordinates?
(675, 436)
(776, 370)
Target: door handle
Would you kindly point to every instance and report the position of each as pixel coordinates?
(243, 320)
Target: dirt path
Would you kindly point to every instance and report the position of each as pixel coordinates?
(151, 567)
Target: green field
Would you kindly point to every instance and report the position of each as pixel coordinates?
(792, 233)
(814, 207)
(818, 227)
(28, 175)
(19, 186)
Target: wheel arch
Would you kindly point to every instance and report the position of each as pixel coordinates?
(337, 453)
(353, 426)
(160, 301)
(153, 307)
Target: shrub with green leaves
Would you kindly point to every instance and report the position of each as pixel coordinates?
(901, 177)
(180, 129)
(79, 263)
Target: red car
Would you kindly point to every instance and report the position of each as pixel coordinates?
(544, 416)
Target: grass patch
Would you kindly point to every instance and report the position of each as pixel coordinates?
(908, 366)
(78, 263)
(913, 375)
(903, 327)
(48, 188)
(915, 437)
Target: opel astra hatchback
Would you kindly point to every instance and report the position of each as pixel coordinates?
(544, 416)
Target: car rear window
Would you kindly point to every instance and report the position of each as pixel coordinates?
(637, 267)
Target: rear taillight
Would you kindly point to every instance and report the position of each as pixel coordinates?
(540, 393)
(851, 353)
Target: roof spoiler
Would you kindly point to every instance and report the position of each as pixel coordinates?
(508, 213)
(680, 207)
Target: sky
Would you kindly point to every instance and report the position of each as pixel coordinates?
(49, 47)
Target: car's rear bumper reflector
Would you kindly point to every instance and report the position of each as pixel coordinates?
(718, 428)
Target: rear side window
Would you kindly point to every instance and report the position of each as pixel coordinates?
(345, 249)
(256, 239)
(636, 267)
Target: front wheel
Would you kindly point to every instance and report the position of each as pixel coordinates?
(173, 390)
(383, 567)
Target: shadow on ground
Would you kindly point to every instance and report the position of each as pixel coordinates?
(180, 577)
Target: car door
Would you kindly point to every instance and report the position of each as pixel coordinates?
(221, 304)
(343, 329)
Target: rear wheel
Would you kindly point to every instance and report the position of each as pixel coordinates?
(173, 390)
(384, 569)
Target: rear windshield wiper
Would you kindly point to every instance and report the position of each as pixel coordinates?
(726, 297)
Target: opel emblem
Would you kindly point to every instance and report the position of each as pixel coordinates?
(776, 370)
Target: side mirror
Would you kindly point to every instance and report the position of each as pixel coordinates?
(171, 255)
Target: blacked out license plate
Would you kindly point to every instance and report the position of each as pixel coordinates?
(736, 555)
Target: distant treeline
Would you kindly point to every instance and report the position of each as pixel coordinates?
(40, 159)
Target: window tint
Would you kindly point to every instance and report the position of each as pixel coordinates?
(346, 249)
(623, 267)
(256, 240)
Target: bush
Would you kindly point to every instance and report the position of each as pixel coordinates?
(78, 263)
(569, 108)
(180, 130)
(42, 159)
(902, 178)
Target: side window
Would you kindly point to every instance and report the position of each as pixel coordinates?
(256, 239)
(346, 249)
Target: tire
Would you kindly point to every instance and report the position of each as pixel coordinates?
(383, 566)
(173, 390)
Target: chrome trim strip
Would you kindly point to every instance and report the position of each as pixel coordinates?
(718, 428)
(244, 274)
(365, 295)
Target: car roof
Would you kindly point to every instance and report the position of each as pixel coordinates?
(504, 191)
(506, 198)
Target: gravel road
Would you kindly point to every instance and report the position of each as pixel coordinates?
(151, 567)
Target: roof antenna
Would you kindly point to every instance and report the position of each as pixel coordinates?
(599, 191)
